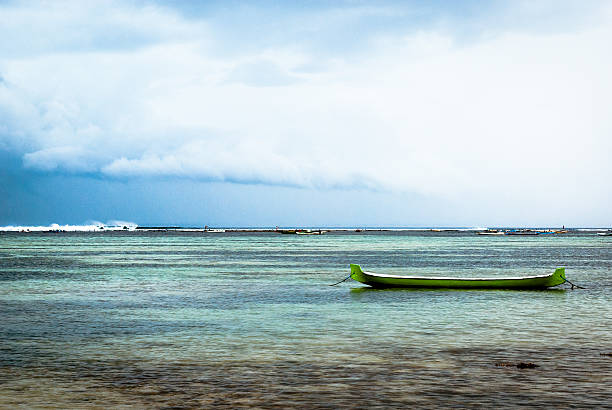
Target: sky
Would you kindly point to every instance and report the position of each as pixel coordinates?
(314, 113)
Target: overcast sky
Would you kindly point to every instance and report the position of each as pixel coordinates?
(230, 113)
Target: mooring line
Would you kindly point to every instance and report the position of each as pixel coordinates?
(573, 286)
(337, 283)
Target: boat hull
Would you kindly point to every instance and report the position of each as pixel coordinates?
(392, 281)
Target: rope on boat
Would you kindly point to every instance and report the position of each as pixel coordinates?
(337, 283)
(573, 286)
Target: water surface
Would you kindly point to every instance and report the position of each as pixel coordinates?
(248, 319)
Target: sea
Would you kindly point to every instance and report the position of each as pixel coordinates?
(240, 319)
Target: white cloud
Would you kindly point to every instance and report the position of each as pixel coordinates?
(511, 115)
(65, 26)
(261, 73)
(76, 159)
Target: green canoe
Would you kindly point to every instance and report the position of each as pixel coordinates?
(392, 281)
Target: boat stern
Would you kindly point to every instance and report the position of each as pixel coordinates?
(357, 274)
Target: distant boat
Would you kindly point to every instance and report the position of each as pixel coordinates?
(491, 232)
(528, 232)
(378, 280)
(309, 232)
(286, 231)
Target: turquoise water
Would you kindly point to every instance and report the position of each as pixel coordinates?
(247, 319)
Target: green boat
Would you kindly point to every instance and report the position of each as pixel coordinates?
(378, 280)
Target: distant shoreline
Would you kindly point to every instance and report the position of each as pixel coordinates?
(55, 228)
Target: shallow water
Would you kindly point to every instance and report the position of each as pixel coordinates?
(169, 319)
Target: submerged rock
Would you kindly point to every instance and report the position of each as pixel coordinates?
(529, 365)
(520, 365)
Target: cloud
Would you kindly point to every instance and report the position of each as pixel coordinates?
(76, 27)
(415, 110)
(75, 159)
(261, 73)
